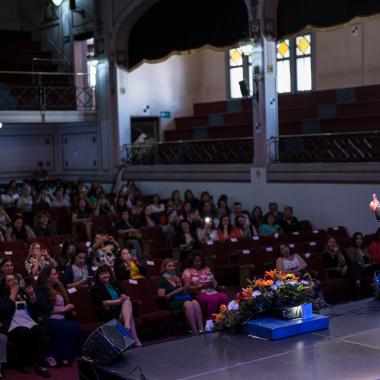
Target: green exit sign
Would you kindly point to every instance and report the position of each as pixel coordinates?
(165, 114)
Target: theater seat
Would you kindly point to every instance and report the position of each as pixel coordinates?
(152, 317)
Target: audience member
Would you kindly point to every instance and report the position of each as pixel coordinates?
(7, 267)
(82, 218)
(44, 226)
(79, 273)
(25, 201)
(222, 206)
(189, 198)
(176, 296)
(18, 312)
(257, 217)
(53, 302)
(226, 229)
(273, 209)
(146, 220)
(157, 206)
(289, 222)
(108, 296)
(245, 229)
(290, 262)
(237, 210)
(40, 174)
(187, 240)
(334, 260)
(18, 230)
(175, 202)
(202, 284)
(65, 254)
(269, 226)
(5, 220)
(127, 266)
(208, 233)
(60, 200)
(44, 197)
(104, 249)
(103, 206)
(38, 259)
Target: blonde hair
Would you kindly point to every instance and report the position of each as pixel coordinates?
(31, 247)
(165, 263)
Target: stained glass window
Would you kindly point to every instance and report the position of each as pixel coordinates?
(294, 64)
(239, 64)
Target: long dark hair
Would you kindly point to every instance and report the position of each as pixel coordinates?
(53, 290)
(221, 227)
(354, 236)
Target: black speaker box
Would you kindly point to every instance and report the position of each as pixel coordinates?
(107, 343)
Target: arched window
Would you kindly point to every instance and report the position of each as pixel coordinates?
(294, 66)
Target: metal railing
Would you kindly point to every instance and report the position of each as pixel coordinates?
(326, 147)
(48, 91)
(220, 151)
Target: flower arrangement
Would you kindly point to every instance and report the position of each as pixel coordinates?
(275, 291)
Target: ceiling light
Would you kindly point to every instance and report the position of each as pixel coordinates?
(57, 3)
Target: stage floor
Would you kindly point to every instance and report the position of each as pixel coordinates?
(350, 349)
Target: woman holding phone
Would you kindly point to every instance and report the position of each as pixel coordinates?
(127, 266)
(79, 273)
(38, 259)
(18, 306)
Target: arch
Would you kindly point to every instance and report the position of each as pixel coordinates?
(136, 26)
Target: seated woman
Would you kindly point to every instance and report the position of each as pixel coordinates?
(374, 248)
(103, 206)
(127, 266)
(290, 262)
(202, 284)
(186, 212)
(19, 230)
(82, 218)
(257, 217)
(44, 226)
(5, 220)
(226, 229)
(289, 222)
(186, 239)
(53, 303)
(269, 226)
(108, 297)
(37, 259)
(7, 267)
(208, 232)
(17, 312)
(104, 249)
(79, 273)
(128, 233)
(222, 206)
(189, 198)
(334, 260)
(60, 200)
(175, 201)
(244, 228)
(359, 258)
(146, 220)
(177, 297)
(121, 205)
(157, 206)
(65, 254)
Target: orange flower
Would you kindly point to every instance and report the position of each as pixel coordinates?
(268, 283)
(223, 308)
(271, 274)
(218, 317)
(259, 282)
(247, 293)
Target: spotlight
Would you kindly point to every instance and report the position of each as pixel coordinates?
(57, 3)
(1, 125)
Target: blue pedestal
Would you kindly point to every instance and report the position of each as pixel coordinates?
(274, 328)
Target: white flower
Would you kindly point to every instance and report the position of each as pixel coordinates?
(209, 325)
(304, 282)
(273, 287)
(256, 293)
(233, 305)
(292, 283)
(279, 283)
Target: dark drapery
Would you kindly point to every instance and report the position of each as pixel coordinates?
(180, 25)
(294, 15)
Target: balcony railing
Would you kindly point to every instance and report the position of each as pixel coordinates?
(221, 151)
(46, 91)
(327, 147)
